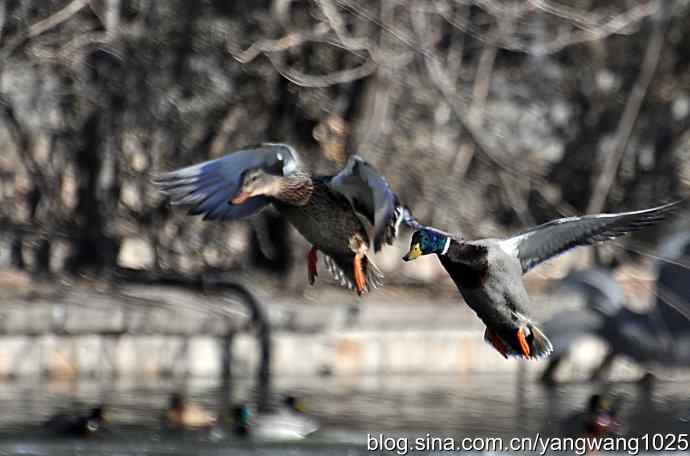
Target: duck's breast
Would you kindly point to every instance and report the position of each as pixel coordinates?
(327, 221)
(495, 293)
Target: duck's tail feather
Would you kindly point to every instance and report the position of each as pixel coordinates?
(540, 345)
(342, 270)
(523, 340)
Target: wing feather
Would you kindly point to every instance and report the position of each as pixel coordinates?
(208, 187)
(545, 241)
(369, 194)
(341, 270)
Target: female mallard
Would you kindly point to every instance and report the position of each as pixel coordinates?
(488, 272)
(79, 424)
(181, 413)
(339, 215)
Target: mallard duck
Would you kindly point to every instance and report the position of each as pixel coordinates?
(78, 424)
(286, 422)
(488, 272)
(601, 416)
(342, 216)
(240, 419)
(184, 414)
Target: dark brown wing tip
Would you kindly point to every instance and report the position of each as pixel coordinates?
(670, 207)
(659, 213)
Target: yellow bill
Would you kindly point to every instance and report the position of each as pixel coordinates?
(415, 251)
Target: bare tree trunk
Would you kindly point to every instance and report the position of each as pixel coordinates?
(631, 111)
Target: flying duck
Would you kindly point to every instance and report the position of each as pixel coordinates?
(343, 216)
(488, 272)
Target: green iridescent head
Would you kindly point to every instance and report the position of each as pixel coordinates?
(426, 241)
(241, 414)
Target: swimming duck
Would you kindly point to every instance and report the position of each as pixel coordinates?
(342, 216)
(79, 424)
(287, 422)
(240, 417)
(601, 417)
(488, 272)
(184, 414)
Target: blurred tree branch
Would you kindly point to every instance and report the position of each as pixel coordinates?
(57, 18)
(289, 41)
(336, 23)
(294, 39)
(591, 27)
(42, 26)
(22, 138)
(326, 80)
(442, 82)
(630, 112)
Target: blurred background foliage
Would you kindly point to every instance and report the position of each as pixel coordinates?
(485, 115)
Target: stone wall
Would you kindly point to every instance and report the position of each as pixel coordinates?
(159, 331)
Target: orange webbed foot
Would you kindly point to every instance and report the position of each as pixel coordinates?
(359, 274)
(495, 342)
(524, 346)
(311, 265)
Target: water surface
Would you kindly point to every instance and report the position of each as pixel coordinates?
(348, 409)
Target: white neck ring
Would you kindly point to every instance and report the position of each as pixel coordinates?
(446, 247)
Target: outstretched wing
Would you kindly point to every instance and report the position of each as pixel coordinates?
(208, 187)
(545, 241)
(672, 276)
(369, 194)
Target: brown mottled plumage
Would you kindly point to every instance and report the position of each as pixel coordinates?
(341, 215)
(326, 219)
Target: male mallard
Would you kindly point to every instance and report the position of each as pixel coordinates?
(240, 418)
(339, 215)
(288, 422)
(601, 416)
(488, 272)
(79, 424)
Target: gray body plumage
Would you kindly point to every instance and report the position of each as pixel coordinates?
(493, 288)
(488, 272)
(502, 300)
